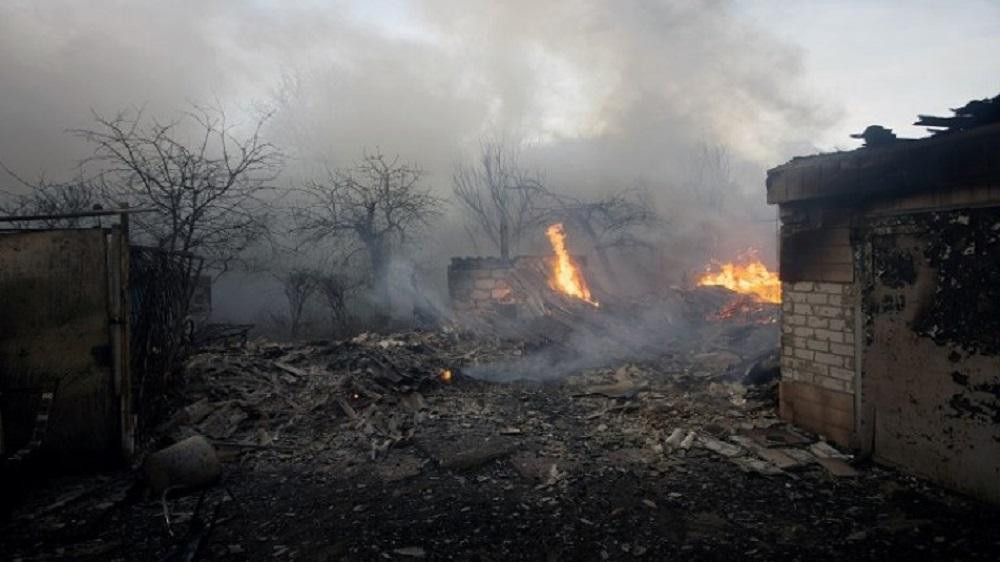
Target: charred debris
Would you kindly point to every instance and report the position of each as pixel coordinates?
(541, 416)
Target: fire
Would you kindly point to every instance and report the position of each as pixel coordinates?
(445, 375)
(751, 277)
(566, 276)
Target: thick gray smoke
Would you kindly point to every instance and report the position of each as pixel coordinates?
(605, 95)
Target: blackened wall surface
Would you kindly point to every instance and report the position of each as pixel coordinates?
(930, 398)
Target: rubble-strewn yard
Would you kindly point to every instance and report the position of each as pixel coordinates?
(361, 450)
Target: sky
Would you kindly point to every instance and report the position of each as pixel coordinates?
(884, 62)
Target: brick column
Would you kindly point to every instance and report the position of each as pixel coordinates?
(818, 363)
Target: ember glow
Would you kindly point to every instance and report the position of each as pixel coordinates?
(445, 375)
(566, 276)
(751, 277)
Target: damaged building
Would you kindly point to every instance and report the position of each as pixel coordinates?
(890, 268)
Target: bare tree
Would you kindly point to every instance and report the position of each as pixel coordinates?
(335, 290)
(298, 285)
(712, 176)
(611, 221)
(204, 179)
(379, 203)
(205, 182)
(499, 196)
(43, 197)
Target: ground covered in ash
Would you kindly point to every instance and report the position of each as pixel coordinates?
(366, 450)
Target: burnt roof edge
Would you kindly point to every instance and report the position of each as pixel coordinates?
(941, 162)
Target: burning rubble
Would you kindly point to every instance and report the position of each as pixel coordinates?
(746, 276)
(637, 428)
(756, 289)
(371, 438)
(460, 442)
(225, 334)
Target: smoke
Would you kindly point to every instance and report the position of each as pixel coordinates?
(607, 89)
(605, 95)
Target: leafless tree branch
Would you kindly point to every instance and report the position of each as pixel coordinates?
(500, 197)
(379, 204)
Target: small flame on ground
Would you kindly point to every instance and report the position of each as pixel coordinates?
(748, 277)
(566, 276)
(445, 375)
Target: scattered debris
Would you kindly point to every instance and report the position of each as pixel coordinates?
(411, 551)
(837, 467)
(360, 450)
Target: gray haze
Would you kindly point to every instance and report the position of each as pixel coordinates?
(605, 95)
(621, 89)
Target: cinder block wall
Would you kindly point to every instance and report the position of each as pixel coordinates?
(818, 339)
(479, 284)
(819, 358)
(512, 288)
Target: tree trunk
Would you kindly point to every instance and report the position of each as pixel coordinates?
(380, 275)
(602, 252)
(504, 240)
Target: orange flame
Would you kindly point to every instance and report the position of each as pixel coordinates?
(445, 375)
(566, 276)
(749, 278)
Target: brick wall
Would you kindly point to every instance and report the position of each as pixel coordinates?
(817, 334)
(479, 284)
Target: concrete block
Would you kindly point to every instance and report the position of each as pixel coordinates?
(829, 359)
(842, 374)
(816, 298)
(803, 309)
(830, 336)
(794, 297)
(795, 319)
(817, 369)
(841, 349)
(830, 288)
(816, 345)
(500, 293)
(817, 322)
(804, 332)
(829, 311)
(804, 286)
(804, 354)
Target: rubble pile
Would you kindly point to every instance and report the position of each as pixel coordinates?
(735, 330)
(383, 447)
(284, 398)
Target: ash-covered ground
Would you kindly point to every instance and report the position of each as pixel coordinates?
(362, 450)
